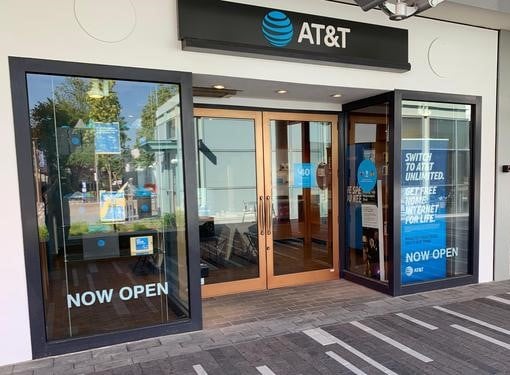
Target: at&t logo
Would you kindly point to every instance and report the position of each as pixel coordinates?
(409, 271)
(277, 28)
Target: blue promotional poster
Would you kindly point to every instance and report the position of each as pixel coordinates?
(304, 175)
(367, 176)
(107, 138)
(112, 206)
(363, 177)
(423, 210)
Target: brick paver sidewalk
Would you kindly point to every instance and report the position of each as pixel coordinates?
(255, 321)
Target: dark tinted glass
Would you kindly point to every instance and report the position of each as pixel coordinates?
(107, 158)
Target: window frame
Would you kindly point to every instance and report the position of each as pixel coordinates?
(395, 100)
(345, 272)
(19, 67)
(474, 210)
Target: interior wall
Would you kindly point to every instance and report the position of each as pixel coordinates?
(502, 235)
(445, 57)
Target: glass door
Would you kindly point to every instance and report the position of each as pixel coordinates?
(300, 169)
(267, 207)
(230, 201)
(367, 186)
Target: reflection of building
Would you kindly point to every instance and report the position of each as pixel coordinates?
(165, 171)
(450, 122)
(226, 168)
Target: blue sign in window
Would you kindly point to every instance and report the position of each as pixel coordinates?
(423, 210)
(367, 176)
(107, 138)
(304, 175)
(142, 243)
(112, 206)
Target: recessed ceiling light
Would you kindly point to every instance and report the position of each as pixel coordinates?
(219, 87)
(281, 91)
(336, 95)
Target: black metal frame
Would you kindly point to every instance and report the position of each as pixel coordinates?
(344, 255)
(395, 99)
(476, 146)
(19, 67)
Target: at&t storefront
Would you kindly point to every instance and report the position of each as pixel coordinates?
(333, 145)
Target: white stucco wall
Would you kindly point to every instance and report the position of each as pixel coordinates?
(466, 57)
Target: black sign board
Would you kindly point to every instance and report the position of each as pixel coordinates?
(240, 29)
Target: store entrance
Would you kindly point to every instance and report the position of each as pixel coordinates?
(267, 199)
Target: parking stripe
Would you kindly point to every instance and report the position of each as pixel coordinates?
(325, 338)
(477, 321)
(417, 321)
(392, 342)
(199, 370)
(264, 370)
(321, 336)
(345, 363)
(498, 299)
(482, 336)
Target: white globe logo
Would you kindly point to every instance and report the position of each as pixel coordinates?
(409, 271)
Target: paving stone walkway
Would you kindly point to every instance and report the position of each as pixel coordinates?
(329, 328)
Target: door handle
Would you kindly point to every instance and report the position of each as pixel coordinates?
(260, 211)
(269, 215)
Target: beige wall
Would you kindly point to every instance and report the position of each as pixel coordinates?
(464, 57)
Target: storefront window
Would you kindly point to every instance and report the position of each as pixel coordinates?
(367, 192)
(107, 158)
(436, 191)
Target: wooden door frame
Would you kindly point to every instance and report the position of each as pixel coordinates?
(274, 281)
(260, 283)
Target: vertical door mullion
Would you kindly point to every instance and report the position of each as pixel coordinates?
(395, 203)
(335, 195)
(261, 196)
(268, 195)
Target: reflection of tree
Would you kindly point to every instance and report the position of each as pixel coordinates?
(71, 97)
(148, 122)
(82, 160)
(48, 119)
(55, 121)
(71, 100)
(107, 109)
(43, 131)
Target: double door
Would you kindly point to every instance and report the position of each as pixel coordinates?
(267, 198)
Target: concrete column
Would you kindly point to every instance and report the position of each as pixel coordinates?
(502, 229)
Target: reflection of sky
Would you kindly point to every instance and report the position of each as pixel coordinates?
(132, 97)
(131, 133)
(39, 87)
